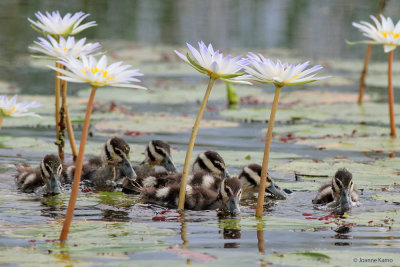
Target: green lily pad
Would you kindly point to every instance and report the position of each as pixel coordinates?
(365, 175)
(88, 237)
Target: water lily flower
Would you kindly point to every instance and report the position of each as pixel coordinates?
(214, 64)
(55, 25)
(266, 71)
(387, 34)
(280, 74)
(10, 108)
(384, 32)
(98, 74)
(65, 47)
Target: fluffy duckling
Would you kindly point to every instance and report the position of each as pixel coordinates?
(227, 197)
(115, 166)
(208, 171)
(44, 179)
(210, 162)
(158, 153)
(339, 193)
(250, 178)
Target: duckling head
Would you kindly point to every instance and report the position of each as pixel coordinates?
(210, 162)
(50, 169)
(230, 192)
(342, 187)
(251, 176)
(116, 153)
(159, 153)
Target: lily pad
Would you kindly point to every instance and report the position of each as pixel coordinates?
(391, 197)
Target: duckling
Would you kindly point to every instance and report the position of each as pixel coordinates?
(227, 197)
(339, 193)
(115, 166)
(158, 153)
(44, 179)
(250, 178)
(211, 162)
(208, 171)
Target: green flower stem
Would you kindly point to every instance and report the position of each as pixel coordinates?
(233, 98)
(390, 96)
(189, 151)
(264, 169)
(78, 169)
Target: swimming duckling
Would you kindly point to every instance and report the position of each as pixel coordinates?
(250, 178)
(158, 153)
(227, 197)
(44, 179)
(211, 162)
(208, 170)
(339, 193)
(115, 166)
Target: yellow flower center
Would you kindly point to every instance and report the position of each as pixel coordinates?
(103, 72)
(10, 111)
(395, 35)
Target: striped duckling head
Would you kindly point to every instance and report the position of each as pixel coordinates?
(251, 176)
(158, 153)
(116, 153)
(342, 189)
(229, 193)
(210, 162)
(50, 169)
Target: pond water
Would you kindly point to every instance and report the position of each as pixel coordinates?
(319, 129)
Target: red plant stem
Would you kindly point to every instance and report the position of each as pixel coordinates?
(264, 169)
(390, 96)
(78, 169)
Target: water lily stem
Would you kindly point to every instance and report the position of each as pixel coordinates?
(264, 169)
(57, 111)
(78, 169)
(1, 121)
(390, 96)
(382, 5)
(70, 130)
(364, 74)
(189, 151)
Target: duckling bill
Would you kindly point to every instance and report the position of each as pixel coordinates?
(250, 178)
(340, 193)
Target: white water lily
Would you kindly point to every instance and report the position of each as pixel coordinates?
(10, 107)
(214, 64)
(266, 71)
(55, 25)
(384, 32)
(97, 73)
(65, 47)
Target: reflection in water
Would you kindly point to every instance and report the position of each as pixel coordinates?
(115, 215)
(260, 236)
(184, 238)
(231, 231)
